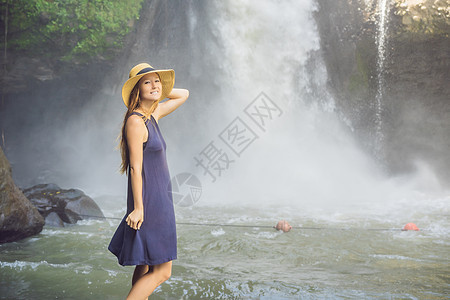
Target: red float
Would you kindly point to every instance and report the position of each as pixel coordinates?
(410, 226)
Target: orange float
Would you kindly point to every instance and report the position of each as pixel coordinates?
(410, 226)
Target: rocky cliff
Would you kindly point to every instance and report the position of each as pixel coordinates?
(414, 108)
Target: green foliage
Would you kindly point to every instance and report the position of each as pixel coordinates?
(70, 29)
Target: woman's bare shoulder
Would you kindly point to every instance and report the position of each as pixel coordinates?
(134, 122)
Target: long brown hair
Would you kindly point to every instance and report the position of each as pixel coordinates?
(133, 104)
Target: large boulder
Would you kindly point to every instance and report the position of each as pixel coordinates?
(60, 207)
(18, 216)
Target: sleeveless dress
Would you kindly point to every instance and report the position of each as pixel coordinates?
(156, 241)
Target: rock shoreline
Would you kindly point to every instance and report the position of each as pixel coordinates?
(60, 206)
(24, 213)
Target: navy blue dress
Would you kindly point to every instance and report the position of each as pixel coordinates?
(156, 241)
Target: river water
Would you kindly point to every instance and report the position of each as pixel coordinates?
(325, 256)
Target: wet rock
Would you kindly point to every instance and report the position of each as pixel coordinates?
(423, 16)
(18, 216)
(54, 220)
(60, 207)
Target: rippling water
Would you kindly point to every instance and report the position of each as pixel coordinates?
(340, 255)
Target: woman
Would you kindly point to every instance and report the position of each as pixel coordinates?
(146, 237)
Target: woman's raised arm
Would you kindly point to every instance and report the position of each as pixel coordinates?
(176, 98)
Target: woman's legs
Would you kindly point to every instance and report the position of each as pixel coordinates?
(145, 283)
(139, 271)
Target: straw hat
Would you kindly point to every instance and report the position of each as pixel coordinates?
(167, 80)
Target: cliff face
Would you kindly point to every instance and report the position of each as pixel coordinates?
(415, 110)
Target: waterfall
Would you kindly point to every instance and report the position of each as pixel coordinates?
(382, 28)
(230, 54)
(306, 157)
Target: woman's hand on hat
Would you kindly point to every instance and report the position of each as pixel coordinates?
(135, 219)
